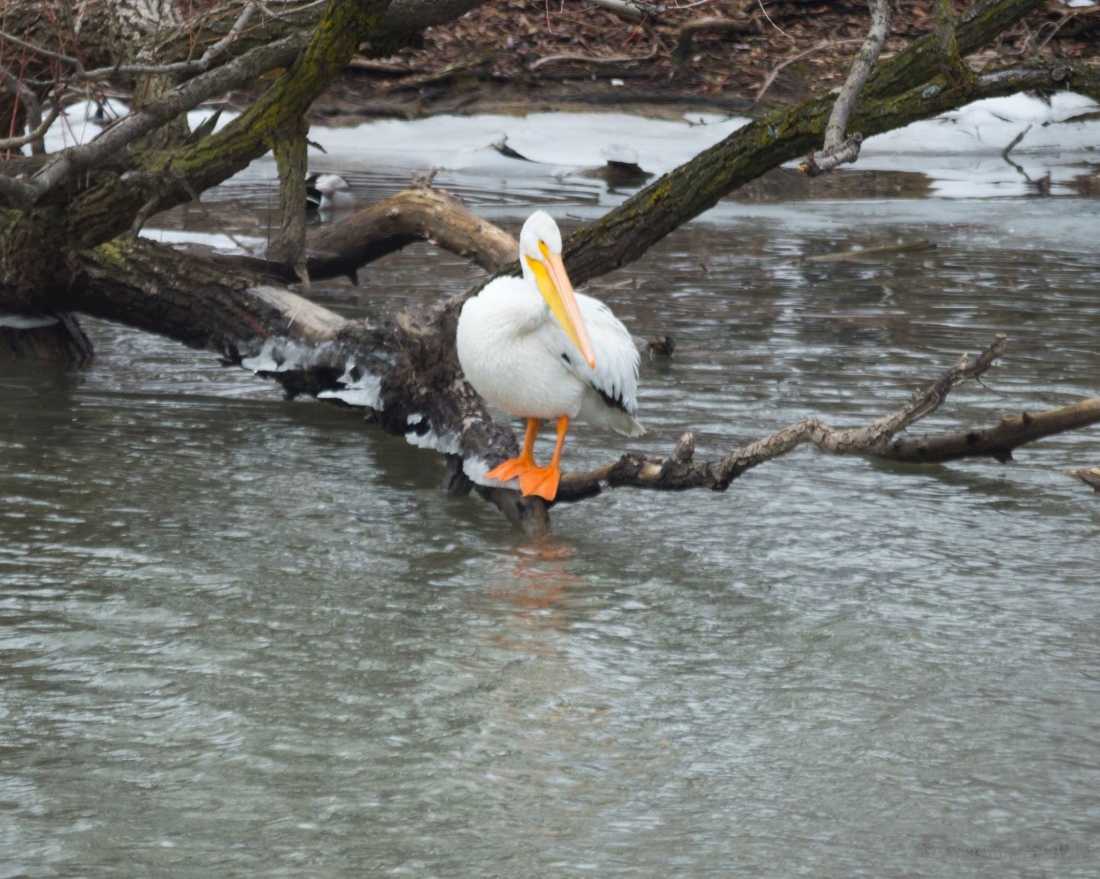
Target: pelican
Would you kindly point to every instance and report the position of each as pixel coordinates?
(534, 348)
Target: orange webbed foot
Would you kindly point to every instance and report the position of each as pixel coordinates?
(512, 468)
(541, 481)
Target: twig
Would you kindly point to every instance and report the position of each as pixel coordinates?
(632, 9)
(197, 65)
(824, 44)
(1088, 475)
(1054, 30)
(586, 59)
(386, 68)
(164, 107)
(39, 50)
(1008, 149)
(769, 18)
(444, 72)
(1015, 141)
(37, 134)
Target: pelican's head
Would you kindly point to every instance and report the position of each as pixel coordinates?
(540, 257)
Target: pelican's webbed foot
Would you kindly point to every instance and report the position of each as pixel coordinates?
(541, 481)
(512, 468)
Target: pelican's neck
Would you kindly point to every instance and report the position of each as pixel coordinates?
(516, 303)
(528, 274)
(530, 299)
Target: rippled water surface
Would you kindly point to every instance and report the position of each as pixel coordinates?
(243, 636)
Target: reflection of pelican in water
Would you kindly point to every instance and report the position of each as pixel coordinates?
(535, 589)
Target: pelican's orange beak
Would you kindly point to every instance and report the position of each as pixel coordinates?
(557, 290)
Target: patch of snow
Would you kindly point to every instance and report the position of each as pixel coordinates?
(364, 391)
(26, 321)
(278, 355)
(617, 152)
(220, 242)
(195, 118)
(415, 418)
(989, 126)
(448, 445)
(475, 469)
(263, 361)
(81, 122)
(556, 143)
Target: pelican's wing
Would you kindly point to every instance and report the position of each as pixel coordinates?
(615, 378)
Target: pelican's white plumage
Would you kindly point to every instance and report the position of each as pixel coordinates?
(514, 342)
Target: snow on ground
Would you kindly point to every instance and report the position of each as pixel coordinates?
(238, 244)
(960, 151)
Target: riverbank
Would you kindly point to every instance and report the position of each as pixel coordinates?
(726, 57)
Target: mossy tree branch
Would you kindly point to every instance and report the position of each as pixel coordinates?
(216, 158)
(108, 207)
(627, 232)
(291, 160)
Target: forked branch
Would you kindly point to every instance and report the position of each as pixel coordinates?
(876, 440)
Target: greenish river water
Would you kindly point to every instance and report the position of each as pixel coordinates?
(244, 636)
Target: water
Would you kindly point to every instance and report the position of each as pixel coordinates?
(244, 636)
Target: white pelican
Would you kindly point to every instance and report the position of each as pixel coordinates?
(533, 348)
(327, 191)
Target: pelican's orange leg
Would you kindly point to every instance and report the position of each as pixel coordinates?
(526, 461)
(543, 481)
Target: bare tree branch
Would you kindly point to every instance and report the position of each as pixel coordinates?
(997, 441)
(770, 78)
(625, 233)
(680, 472)
(197, 65)
(379, 229)
(37, 134)
(41, 50)
(839, 150)
(1088, 475)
